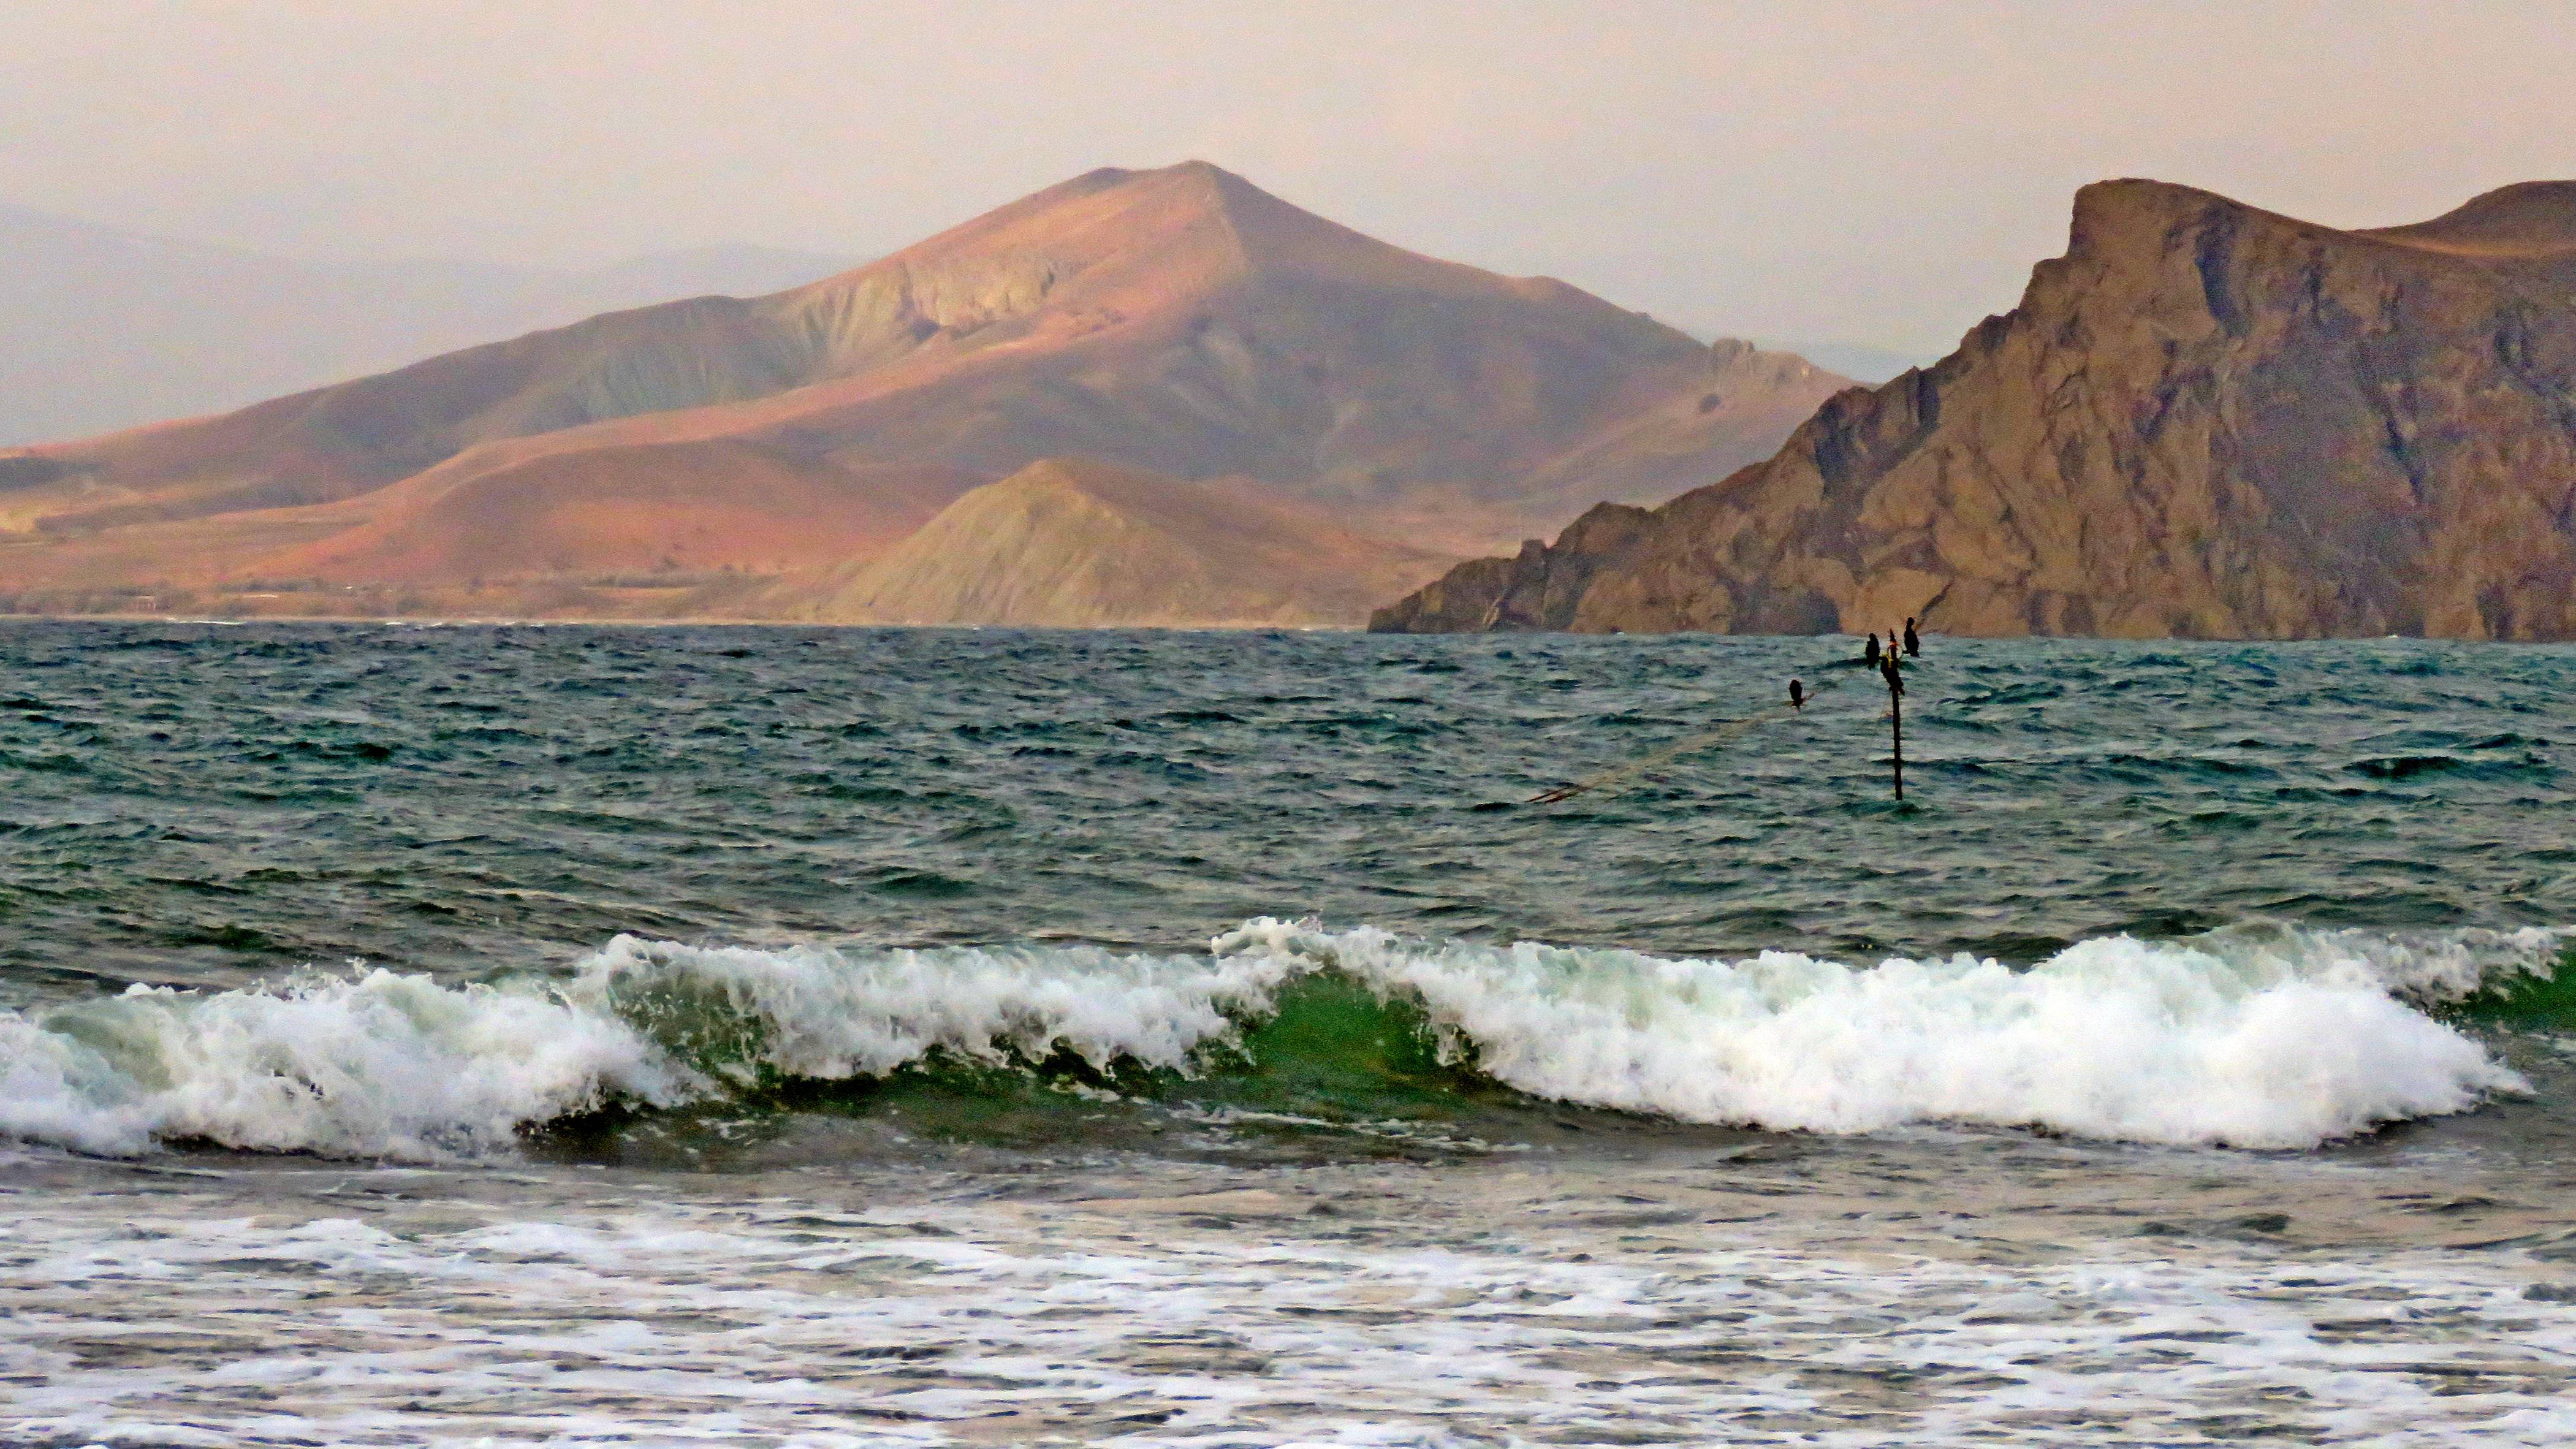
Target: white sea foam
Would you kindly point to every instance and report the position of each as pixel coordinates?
(2286, 1042)
(2252, 1038)
(1429, 1309)
(831, 1014)
(370, 1065)
(384, 1065)
(2424, 966)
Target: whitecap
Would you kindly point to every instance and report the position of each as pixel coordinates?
(2250, 1038)
(2289, 1042)
(374, 1064)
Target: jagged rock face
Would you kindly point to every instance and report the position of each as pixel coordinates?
(1535, 590)
(2203, 421)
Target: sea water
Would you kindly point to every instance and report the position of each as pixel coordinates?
(577, 1035)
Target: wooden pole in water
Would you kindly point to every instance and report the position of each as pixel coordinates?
(1896, 726)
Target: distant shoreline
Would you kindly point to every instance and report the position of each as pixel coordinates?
(522, 622)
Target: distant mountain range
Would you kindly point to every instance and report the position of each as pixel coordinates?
(1168, 398)
(2204, 420)
(103, 329)
(711, 456)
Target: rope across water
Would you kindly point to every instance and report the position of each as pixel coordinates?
(1689, 744)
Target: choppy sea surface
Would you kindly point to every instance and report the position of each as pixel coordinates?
(580, 1035)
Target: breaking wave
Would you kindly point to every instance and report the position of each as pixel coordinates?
(370, 1065)
(2271, 1038)
(2277, 1039)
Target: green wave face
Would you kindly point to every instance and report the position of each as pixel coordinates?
(1335, 1046)
(1336, 1069)
(2528, 1000)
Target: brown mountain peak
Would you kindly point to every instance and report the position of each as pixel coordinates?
(1178, 319)
(2526, 219)
(2133, 212)
(2529, 218)
(1078, 542)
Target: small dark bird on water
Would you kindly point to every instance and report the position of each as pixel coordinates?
(1797, 695)
(1869, 653)
(1913, 641)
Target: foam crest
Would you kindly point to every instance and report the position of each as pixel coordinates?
(370, 1065)
(2289, 1045)
(392, 1066)
(2272, 1038)
(829, 1014)
(2433, 967)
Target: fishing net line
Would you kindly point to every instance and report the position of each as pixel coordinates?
(1690, 744)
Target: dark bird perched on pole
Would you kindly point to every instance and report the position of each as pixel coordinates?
(1869, 651)
(1913, 641)
(1797, 695)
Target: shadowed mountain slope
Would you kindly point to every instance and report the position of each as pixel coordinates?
(1067, 542)
(1180, 321)
(2204, 420)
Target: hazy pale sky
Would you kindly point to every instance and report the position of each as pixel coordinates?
(1875, 173)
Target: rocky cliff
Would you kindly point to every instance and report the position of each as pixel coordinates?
(2204, 420)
